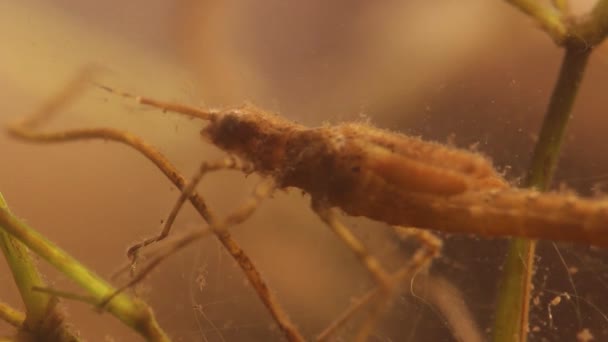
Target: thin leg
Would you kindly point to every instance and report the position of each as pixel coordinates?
(429, 250)
(431, 246)
(386, 284)
(371, 264)
(151, 265)
(226, 163)
(262, 191)
(27, 129)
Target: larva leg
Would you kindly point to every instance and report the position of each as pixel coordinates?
(28, 129)
(226, 163)
(261, 191)
(371, 264)
(429, 250)
(344, 317)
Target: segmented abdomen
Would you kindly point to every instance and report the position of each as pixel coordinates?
(402, 180)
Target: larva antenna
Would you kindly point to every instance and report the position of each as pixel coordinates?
(189, 111)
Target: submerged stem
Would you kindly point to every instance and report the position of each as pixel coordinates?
(11, 316)
(133, 313)
(546, 152)
(43, 317)
(513, 304)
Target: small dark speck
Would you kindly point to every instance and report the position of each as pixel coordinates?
(355, 169)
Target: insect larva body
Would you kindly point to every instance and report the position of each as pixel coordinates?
(348, 153)
(401, 180)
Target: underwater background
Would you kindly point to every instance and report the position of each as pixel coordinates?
(467, 73)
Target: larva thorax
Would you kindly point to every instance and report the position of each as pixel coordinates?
(295, 156)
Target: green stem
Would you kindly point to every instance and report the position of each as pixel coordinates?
(562, 6)
(133, 313)
(513, 304)
(549, 18)
(43, 316)
(546, 152)
(11, 316)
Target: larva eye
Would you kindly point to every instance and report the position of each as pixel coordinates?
(235, 127)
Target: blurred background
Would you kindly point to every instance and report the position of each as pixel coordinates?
(471, 72)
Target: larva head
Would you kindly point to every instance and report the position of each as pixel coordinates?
(251, 134)
(231, 131)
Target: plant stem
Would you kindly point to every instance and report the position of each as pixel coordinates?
(513, 304)
(549, 18)
(43, 318)
(11, 316)
(561, 5)
(594, 27)
(546, 152)
(134, 313)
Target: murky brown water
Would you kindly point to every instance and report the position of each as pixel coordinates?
(475, 70)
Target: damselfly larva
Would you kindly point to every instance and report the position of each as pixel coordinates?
(361, 170)
(395, 178)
